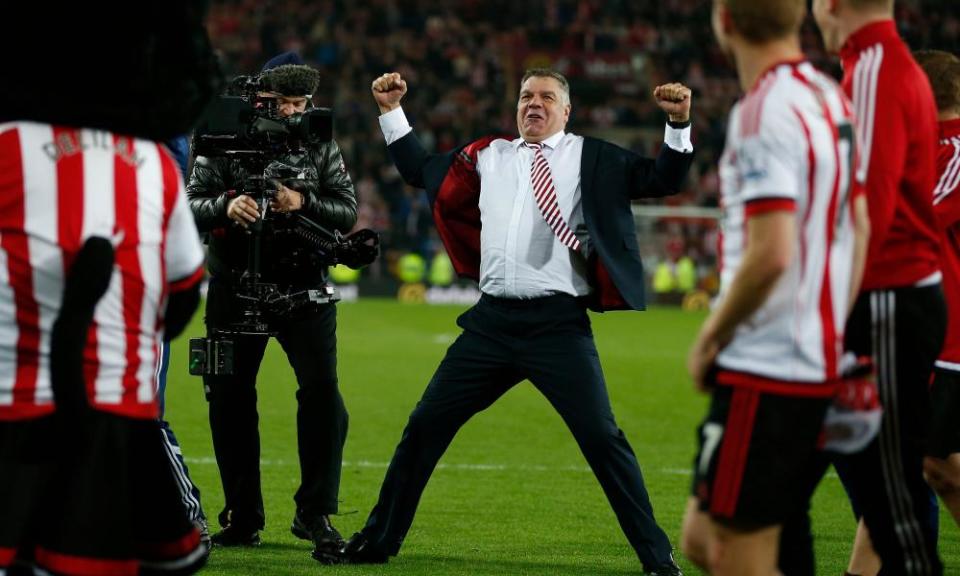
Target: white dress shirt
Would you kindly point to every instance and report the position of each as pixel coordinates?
(520, 256)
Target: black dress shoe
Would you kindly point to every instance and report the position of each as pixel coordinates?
(359, 551)
(231, 536)
(319, 530)
(327, 541)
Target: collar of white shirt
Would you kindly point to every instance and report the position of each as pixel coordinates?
(550, 142)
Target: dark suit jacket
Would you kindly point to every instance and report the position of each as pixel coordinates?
(610, 177)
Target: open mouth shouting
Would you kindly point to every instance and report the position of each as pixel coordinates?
(534, 120)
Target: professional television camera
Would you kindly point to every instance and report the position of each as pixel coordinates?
(246, 127)
(243, 124)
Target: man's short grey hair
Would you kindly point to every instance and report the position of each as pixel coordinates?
(548, 73)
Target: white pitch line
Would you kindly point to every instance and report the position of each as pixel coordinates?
(208, 460)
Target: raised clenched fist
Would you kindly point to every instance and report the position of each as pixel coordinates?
(388, 90)
(674, 99)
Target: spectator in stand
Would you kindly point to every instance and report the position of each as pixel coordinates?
(433, 41)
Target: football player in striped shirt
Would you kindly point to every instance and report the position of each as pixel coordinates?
(98, 497)
(794, 237)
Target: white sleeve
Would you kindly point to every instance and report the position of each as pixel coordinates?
(394, 125)
(678, 138)
(769, 161)
(183, 253)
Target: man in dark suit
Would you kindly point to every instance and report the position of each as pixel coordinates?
(544, 223)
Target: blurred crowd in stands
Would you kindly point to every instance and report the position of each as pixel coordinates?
(464, 58)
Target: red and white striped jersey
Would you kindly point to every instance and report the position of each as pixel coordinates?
(897, 130)
(791, 147)
(58, 187)
(946, 201)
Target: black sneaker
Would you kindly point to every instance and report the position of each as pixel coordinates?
(231, 536)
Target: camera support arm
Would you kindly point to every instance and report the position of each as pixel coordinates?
(355, 250)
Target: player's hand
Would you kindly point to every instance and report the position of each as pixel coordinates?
(243, 210)
(702, 355)
(674, 99)
(388, 90)
(287, 200)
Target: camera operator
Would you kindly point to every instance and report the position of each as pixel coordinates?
(322, 191)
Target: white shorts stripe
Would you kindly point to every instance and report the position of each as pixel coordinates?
(906, 526)
(184, 485)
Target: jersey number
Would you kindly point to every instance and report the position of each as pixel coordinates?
(712, 433)
(846, 141)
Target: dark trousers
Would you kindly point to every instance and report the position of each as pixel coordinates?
(903, 331)
(548, 341)
(310, 343)
(91, 493)
(189, 492)
(796, 555)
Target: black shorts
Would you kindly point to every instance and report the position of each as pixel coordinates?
(92, 497)
(943, 435)
(759, 458)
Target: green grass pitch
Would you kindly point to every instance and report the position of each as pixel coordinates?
(513, 495)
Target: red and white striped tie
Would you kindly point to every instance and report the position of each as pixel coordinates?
(546, 196)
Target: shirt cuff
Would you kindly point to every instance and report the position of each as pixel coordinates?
(678, 138)
(756, 206)
(394, 125)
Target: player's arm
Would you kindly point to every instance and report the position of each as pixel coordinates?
(882, 130)
(770, 238)
(861, 240)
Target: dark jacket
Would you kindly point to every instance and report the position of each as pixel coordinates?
(330, 200)
(610, 177)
